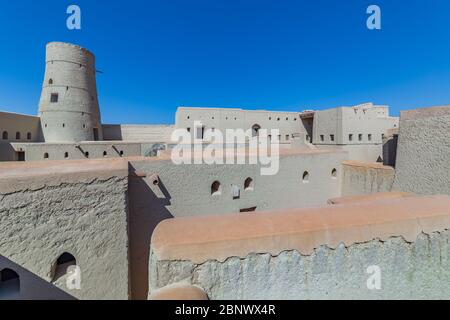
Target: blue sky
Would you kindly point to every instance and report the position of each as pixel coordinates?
(255, 54)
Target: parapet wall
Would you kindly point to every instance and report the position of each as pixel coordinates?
(360, 178)
(323, 253)
(423, 153)
(78, 207)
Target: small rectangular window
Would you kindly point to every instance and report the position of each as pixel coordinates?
(332, 137)
(54, 98)
(350, 137)
(287, 137)
(369, 137)
(322, 138)
(360, 136)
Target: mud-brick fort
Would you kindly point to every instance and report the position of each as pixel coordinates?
(356, 190)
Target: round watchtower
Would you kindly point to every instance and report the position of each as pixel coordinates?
(68, 106)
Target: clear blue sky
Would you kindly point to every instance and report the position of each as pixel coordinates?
(277, 55)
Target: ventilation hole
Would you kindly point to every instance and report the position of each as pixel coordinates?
(305, 177)
(248, 184)
(215, 188)
(334, 173)
(62, 265)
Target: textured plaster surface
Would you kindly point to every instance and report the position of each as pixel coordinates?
(80, 212)
(423, 154)
(409, 270)
(311, 254)
(359, 178)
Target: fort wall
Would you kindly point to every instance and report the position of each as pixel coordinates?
(423, 153)
(185, 190)
(321, 253)
(75, 207)
(360, 178)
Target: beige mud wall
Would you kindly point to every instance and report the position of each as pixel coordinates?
(185, 190)
(423, 152)
(360, 178)
(323, 253)
(79, 207)
(128, 132)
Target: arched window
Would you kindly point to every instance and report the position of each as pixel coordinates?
(105, 153)
(29, 135)
(62, 264)
(334, 173)
(215, 188)
(46, 155)
(66, 155)
(50, 81)
(5, 135)
(255, 130)
(305, 177)
(17, 135)
(9, 284)
(248, 184)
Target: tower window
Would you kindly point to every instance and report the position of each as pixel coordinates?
(332, 137)
(54, 98)
(360, 136)
(46, 155)
(5, 135)
(322, 138)
(29, 136)
(66, 155)
(369, 137)
(350, 137)
(50, 81)
(17, 135)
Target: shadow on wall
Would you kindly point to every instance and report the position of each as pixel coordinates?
(17, 283)
(390, 151)
(7, 152)
(112, 132)
(148, 201)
